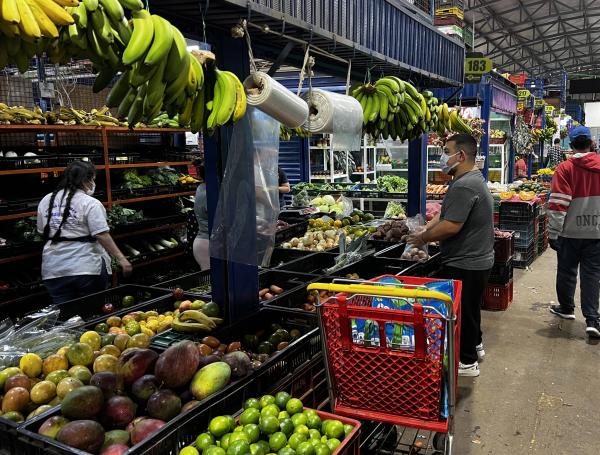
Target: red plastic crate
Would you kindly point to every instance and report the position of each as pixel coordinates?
(498, 297)
(383, 384)
(496, 219)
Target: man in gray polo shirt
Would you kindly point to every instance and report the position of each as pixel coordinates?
(465, 230)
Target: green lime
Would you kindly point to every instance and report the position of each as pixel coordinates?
(315, 442)
(287, 451)
(313, 421)
(270, 410)
(128, 300)
(102, 327)
(324, 439)
(296, 439)
(335, 429)
(309, 412)
(305, 448)
(333, 444)
(239, 436)
(299, 419)
(322, 449)
(294, 406)
(214, 451)
(283, 415)
(277, 441)
(303, 429)
(347, 430)
(281, 399)
(256, 449)
(219, 426)
(266, 400)
(204, 441)
(268, 424)
(250, 415)
(238, 429)
(253, 432)
(232, 422)
(189, 450)
(286, 426)
(314, 434)
(239, 447)
(252, 403)
(108, 339)
(224, 442)
(264, 445)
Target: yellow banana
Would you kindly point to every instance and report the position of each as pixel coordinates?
(28, 25)
(47, 27)
(240, 97)
(226, 107)
(10, 30)
(9, 11)
(55, 13)
(67, 2)
(213, 105)
(199, 72)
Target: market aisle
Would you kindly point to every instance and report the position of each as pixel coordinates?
(531, 395)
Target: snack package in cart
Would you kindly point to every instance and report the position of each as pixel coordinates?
(416, 225)
(402, 336)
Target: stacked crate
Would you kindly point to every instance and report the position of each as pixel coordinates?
(543, 239)
(450, 18)
(496, 197)
(522, 219)
(499, 292)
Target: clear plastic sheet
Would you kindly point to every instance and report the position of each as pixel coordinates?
(39, 332)
(356, 250)
(251, 178)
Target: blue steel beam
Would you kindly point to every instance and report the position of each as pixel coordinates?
(486, 114)
(417, 176)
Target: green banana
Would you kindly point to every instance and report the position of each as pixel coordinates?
(133, 5)
(199, 72)
(91, 5)
(77, 36)
(156, 89)
(176, 56)
(211, 122)
(123, 31)
(118, 91)
(94, 44)
(80, 14)
(374, 113)
(389, 82)
(113, 9)
(198, 111)
(103, 78)
(228, 98)
(175, 87)
(126, 103)
(163, 39)
(141, 73)
(102, 27)
(135, 111)
(383, 105)
(392, 97)
(141, 37)
(367, 108)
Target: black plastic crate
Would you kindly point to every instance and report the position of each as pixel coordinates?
(294, 230)
(523, 234)
(314, 263)
(504, 248)
(8, 437)
(27, 162)
(371, 267)
(502, 272)
(287, 281)
(428, 268)
(281, 256)
(518, 210)
(197, 283)
(524, 257)
(90, 306)
(68, 158)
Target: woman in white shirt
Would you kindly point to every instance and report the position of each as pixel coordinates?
(75, 260)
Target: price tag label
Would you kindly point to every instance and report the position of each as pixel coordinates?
(523, 93)
(520, 106)
(478, 65)
(549, 109)
(538, 103)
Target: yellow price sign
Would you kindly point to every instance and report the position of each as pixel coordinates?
(520, 106)
(523, 93)
(538, 103)
(549, 109)
(478, 65)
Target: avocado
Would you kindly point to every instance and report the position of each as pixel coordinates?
(250, 342)
(275, 339)
(265, 348)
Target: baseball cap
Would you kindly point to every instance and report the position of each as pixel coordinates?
(580, 131)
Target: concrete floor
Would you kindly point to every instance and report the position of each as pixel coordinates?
(538, 388)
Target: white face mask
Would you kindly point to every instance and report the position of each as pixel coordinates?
(90, 191)
(444, 163)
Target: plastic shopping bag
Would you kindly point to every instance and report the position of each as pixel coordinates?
(416, 225)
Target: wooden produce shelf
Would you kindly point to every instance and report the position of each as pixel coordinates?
(16, 216)
(156, 164)
(20, 257)
(152, 198)
(164, 227)
(39, 170)
(88, 128)
(159, 259)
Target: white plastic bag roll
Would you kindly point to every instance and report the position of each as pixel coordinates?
(339, 115)
(274, 99)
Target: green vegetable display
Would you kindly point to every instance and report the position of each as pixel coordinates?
(133, 181)
(392, 184)
(26, 230)
(118, 215)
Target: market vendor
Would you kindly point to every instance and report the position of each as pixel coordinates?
(201, 242)
(284, 185)
(73, 223)
(465, 230)
(520, 168)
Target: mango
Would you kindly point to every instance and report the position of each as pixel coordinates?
(43, 392)
(177, 365)
(16, 399)
(210, 379)
(52, 426)
(83, 403)
(85, 435)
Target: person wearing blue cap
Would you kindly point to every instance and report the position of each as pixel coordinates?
(574, 230)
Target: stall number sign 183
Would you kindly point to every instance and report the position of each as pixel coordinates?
(478, 65)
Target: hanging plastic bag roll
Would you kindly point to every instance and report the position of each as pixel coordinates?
(339, 115)
(268, 95)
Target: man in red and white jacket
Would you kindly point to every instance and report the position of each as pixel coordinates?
(574, 216)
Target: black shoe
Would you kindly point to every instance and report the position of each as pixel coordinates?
(557, 310)
(593, 329)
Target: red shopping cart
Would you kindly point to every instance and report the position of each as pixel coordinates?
(371, 376)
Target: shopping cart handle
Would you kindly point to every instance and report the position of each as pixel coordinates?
(385, 291)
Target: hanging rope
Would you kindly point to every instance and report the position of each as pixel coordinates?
(348, 76)
(303, 70)
(253, 68)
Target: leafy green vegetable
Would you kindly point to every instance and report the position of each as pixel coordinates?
(133, 181)
(118, 215)
(392, 184)
(163, 176)
(26, 230)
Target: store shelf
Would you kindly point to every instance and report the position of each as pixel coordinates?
(325, 177)
(20, 257)
(38, 170)
(88, 128)
(156, 164)
(164, 227)
(159, 259)
(152, 198)
(364, 173)
(392, 170)
(16, 216)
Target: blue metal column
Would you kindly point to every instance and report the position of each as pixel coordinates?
(234, 285)
(541, 154)
(417, 176)
(486, 114)
(511, 156)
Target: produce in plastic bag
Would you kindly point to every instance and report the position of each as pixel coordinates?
(341, 206)
(301, 199)
(415, 225)
(394, 210)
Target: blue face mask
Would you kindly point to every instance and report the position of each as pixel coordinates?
(444, 163)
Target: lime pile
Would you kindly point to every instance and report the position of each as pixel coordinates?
(271, 425)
